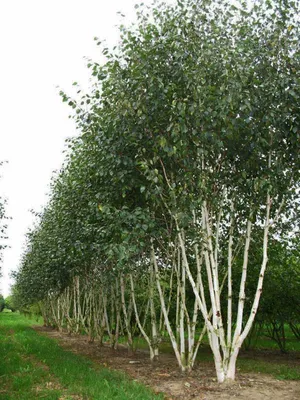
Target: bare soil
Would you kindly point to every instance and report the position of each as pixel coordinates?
(164, 376)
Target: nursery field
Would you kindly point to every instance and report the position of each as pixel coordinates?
(174, 214)
(38, 362)
(166, 260)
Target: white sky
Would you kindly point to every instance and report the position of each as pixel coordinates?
(42, 46)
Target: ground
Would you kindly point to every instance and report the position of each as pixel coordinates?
(35, 366)
(201, 384)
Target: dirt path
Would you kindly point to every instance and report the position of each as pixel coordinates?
(165, 377)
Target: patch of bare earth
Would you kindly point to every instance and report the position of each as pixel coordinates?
(53, 384)
(164, 377)
(49, 385)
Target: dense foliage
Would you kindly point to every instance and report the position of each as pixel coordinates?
(186, 164)
(10, 304)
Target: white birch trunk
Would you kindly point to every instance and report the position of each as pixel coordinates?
(126, 318)
(163, 305)
(142, 330)
(153, 315)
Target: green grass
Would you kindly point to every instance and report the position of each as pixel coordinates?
(279, 370)
(34, 366)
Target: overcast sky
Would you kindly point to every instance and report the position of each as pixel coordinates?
(42, 45)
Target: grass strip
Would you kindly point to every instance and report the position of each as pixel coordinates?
(35, 366)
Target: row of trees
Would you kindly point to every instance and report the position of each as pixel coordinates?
(3, 226)
(8, 303)
(185, 169)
